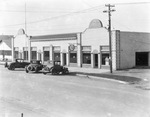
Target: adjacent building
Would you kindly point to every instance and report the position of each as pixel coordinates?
(89, 48)
(5, 47)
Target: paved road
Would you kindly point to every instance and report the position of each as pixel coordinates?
(37, 95)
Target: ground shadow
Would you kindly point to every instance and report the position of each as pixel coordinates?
(129, 79)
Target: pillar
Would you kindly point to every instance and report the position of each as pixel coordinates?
(61, 58)
(99, 61)
(12, 48)
(92, 60)
(79, 50)
(68, 58)
(51, 53)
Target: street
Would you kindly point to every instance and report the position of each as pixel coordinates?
(38, 95)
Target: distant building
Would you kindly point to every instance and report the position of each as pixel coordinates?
(89, 48)
(5, 47)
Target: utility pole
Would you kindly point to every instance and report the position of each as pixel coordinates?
(25, 20)
(109, 29)
(26, 33)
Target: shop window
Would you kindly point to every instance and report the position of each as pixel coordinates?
(105, 59)
(34, 55)
(73, 57)
(86, 58)
(46, 55)
(25, 55)
(56, 56)
(16, 54)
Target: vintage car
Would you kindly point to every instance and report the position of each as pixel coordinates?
(56, 68)
(19, 63)
(34, 66)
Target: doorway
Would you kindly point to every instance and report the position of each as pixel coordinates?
(64, 58)
(96, 60)
(141, 58)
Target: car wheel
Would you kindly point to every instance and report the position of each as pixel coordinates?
(29, 68)
(12, 67)
(27, 71)
(53, 72)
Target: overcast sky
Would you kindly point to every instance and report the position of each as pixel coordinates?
(66, 16)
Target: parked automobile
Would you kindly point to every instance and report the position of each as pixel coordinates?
(34, 66)
(19, 63)
(55, 69)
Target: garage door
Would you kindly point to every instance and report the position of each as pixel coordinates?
(141, 58)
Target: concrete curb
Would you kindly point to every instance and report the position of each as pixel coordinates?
(96, 77)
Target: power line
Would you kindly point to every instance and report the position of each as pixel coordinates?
(131, 3)
(55, 17)
(69, 14)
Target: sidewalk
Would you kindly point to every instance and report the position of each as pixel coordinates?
(138, 77)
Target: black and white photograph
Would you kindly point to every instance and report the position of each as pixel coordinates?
(74, 58)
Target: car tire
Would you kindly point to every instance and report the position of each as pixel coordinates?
(29, 68)
(53, 72)
(27, 71)
(12, 67)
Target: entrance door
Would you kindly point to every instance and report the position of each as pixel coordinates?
(96, 60)
(64, 55)
(141, 58)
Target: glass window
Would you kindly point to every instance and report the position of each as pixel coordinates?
(16, 54)
(73, 57)
(105, 59)
(46, 55)
(34, 55)
(56, 56)
(25, 55)
(87, 58)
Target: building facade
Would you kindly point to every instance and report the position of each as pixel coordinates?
(85, 49)
(5, 47)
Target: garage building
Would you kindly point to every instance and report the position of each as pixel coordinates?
(89, 48)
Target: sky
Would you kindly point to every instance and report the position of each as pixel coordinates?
(42, 17)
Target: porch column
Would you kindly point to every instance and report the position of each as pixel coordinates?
(12, 48)
(42, 56)
(68, 58)
(99, 61)
(61, 58)
(92, 60)
(37, 55)
(51, 53)
(79, 50)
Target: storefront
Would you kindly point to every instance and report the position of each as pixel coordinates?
(89, 48)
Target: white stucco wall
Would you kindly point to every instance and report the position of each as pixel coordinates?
(63, 43)
(21, 41)
(95, 37)
(130, 43)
